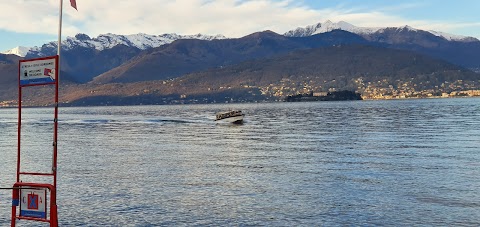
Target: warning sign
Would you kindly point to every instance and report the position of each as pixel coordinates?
(32, 203)
(38, 71)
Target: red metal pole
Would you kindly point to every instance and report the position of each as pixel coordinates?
(19, 123)
(15, 202)
(55, 124)
(53, 207)
(15, 196)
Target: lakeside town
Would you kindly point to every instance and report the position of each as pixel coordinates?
(379, 90)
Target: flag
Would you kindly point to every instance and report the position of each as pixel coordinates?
(74, 4)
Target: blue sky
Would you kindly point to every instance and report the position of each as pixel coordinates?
(33, 22)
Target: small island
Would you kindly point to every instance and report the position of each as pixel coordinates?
(327, 96)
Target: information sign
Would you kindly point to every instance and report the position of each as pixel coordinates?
(33, 203)
(38, 71)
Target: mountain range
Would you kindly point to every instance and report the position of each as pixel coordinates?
(138, 60)
(329, 26)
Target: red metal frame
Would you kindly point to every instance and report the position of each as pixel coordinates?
(51, 187)
(39, 59)
(16, 201)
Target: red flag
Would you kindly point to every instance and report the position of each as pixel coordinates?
(74, 4)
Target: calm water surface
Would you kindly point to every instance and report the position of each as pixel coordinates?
(367, 163)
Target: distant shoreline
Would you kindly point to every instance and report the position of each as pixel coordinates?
(276, 101)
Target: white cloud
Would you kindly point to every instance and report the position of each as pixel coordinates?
(232, 18)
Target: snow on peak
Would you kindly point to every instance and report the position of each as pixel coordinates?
(107, 41)
(451, 37)
(409, 28)
(19, 51)
(329, 26)
(141, 40)
(398, 29)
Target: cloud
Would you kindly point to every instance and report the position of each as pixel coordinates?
(232, 18)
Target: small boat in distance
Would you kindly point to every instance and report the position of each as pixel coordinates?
(233, 116)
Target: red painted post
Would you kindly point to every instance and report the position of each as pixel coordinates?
(53, 207)
(55, 123)
(15, 203)
(19, 123)
(53, 216)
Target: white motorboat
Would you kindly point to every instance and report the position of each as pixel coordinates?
(233, 116)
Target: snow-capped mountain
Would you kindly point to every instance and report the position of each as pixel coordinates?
(144, 41)
(106, 41)
(19, 51)
(328, 26)
(141, 41)
(451, 37)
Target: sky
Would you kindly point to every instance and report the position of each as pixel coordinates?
(35, 22)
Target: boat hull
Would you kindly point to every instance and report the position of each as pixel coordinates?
(234, 120)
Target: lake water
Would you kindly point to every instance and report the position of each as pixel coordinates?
(360, 163)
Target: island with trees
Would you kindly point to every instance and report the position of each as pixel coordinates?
(330, 96)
